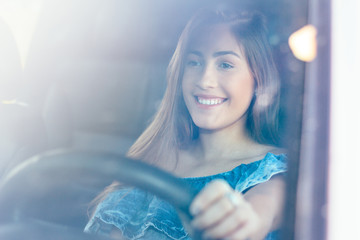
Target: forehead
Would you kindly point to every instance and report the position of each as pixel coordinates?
(214, 38)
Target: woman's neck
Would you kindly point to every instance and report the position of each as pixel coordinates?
(229, 143)
(218, 151)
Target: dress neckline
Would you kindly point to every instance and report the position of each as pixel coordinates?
(230, 171)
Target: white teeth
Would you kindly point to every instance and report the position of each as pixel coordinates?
(213, 101)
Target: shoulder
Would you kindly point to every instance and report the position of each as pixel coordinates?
(262, 170)
(261, 152)
(274, 158)
(270, 149)
(278, 150)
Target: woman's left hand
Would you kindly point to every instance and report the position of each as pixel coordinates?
(223, 213)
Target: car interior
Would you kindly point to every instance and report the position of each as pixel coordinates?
(83, 88)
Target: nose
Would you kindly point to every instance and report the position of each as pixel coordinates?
(208, 78)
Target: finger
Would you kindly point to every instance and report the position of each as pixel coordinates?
(217, 211)
(211, 193)
(246, 231)
(229, 225)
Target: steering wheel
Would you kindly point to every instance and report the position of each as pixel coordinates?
(62, 183)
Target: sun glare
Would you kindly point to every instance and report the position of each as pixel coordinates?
(21, 17)
(303, 43)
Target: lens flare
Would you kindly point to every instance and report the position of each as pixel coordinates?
(303, 43)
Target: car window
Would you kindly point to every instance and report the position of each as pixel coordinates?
(90, 74)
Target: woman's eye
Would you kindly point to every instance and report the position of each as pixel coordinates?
(225, 65)
(193, 63)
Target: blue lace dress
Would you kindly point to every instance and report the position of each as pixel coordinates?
(141, 215)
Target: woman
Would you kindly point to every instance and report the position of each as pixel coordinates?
(218, 123)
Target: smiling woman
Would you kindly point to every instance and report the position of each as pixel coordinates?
(94, 75)
(213, 131)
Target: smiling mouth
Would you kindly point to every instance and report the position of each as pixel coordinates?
(210, 101)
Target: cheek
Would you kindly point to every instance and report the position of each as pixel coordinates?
(242, 91)
(186, 85)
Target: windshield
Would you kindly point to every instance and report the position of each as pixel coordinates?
(90, 75)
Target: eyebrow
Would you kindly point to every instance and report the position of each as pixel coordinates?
(216, 54)
(221, 53)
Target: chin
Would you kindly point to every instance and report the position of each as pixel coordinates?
(204, 125)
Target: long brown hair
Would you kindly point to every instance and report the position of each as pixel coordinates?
(172, 128)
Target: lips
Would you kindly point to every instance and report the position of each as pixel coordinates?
(209, 101)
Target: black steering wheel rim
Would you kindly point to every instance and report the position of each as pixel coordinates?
(29, 183)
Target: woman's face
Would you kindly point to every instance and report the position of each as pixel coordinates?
(217, 84)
